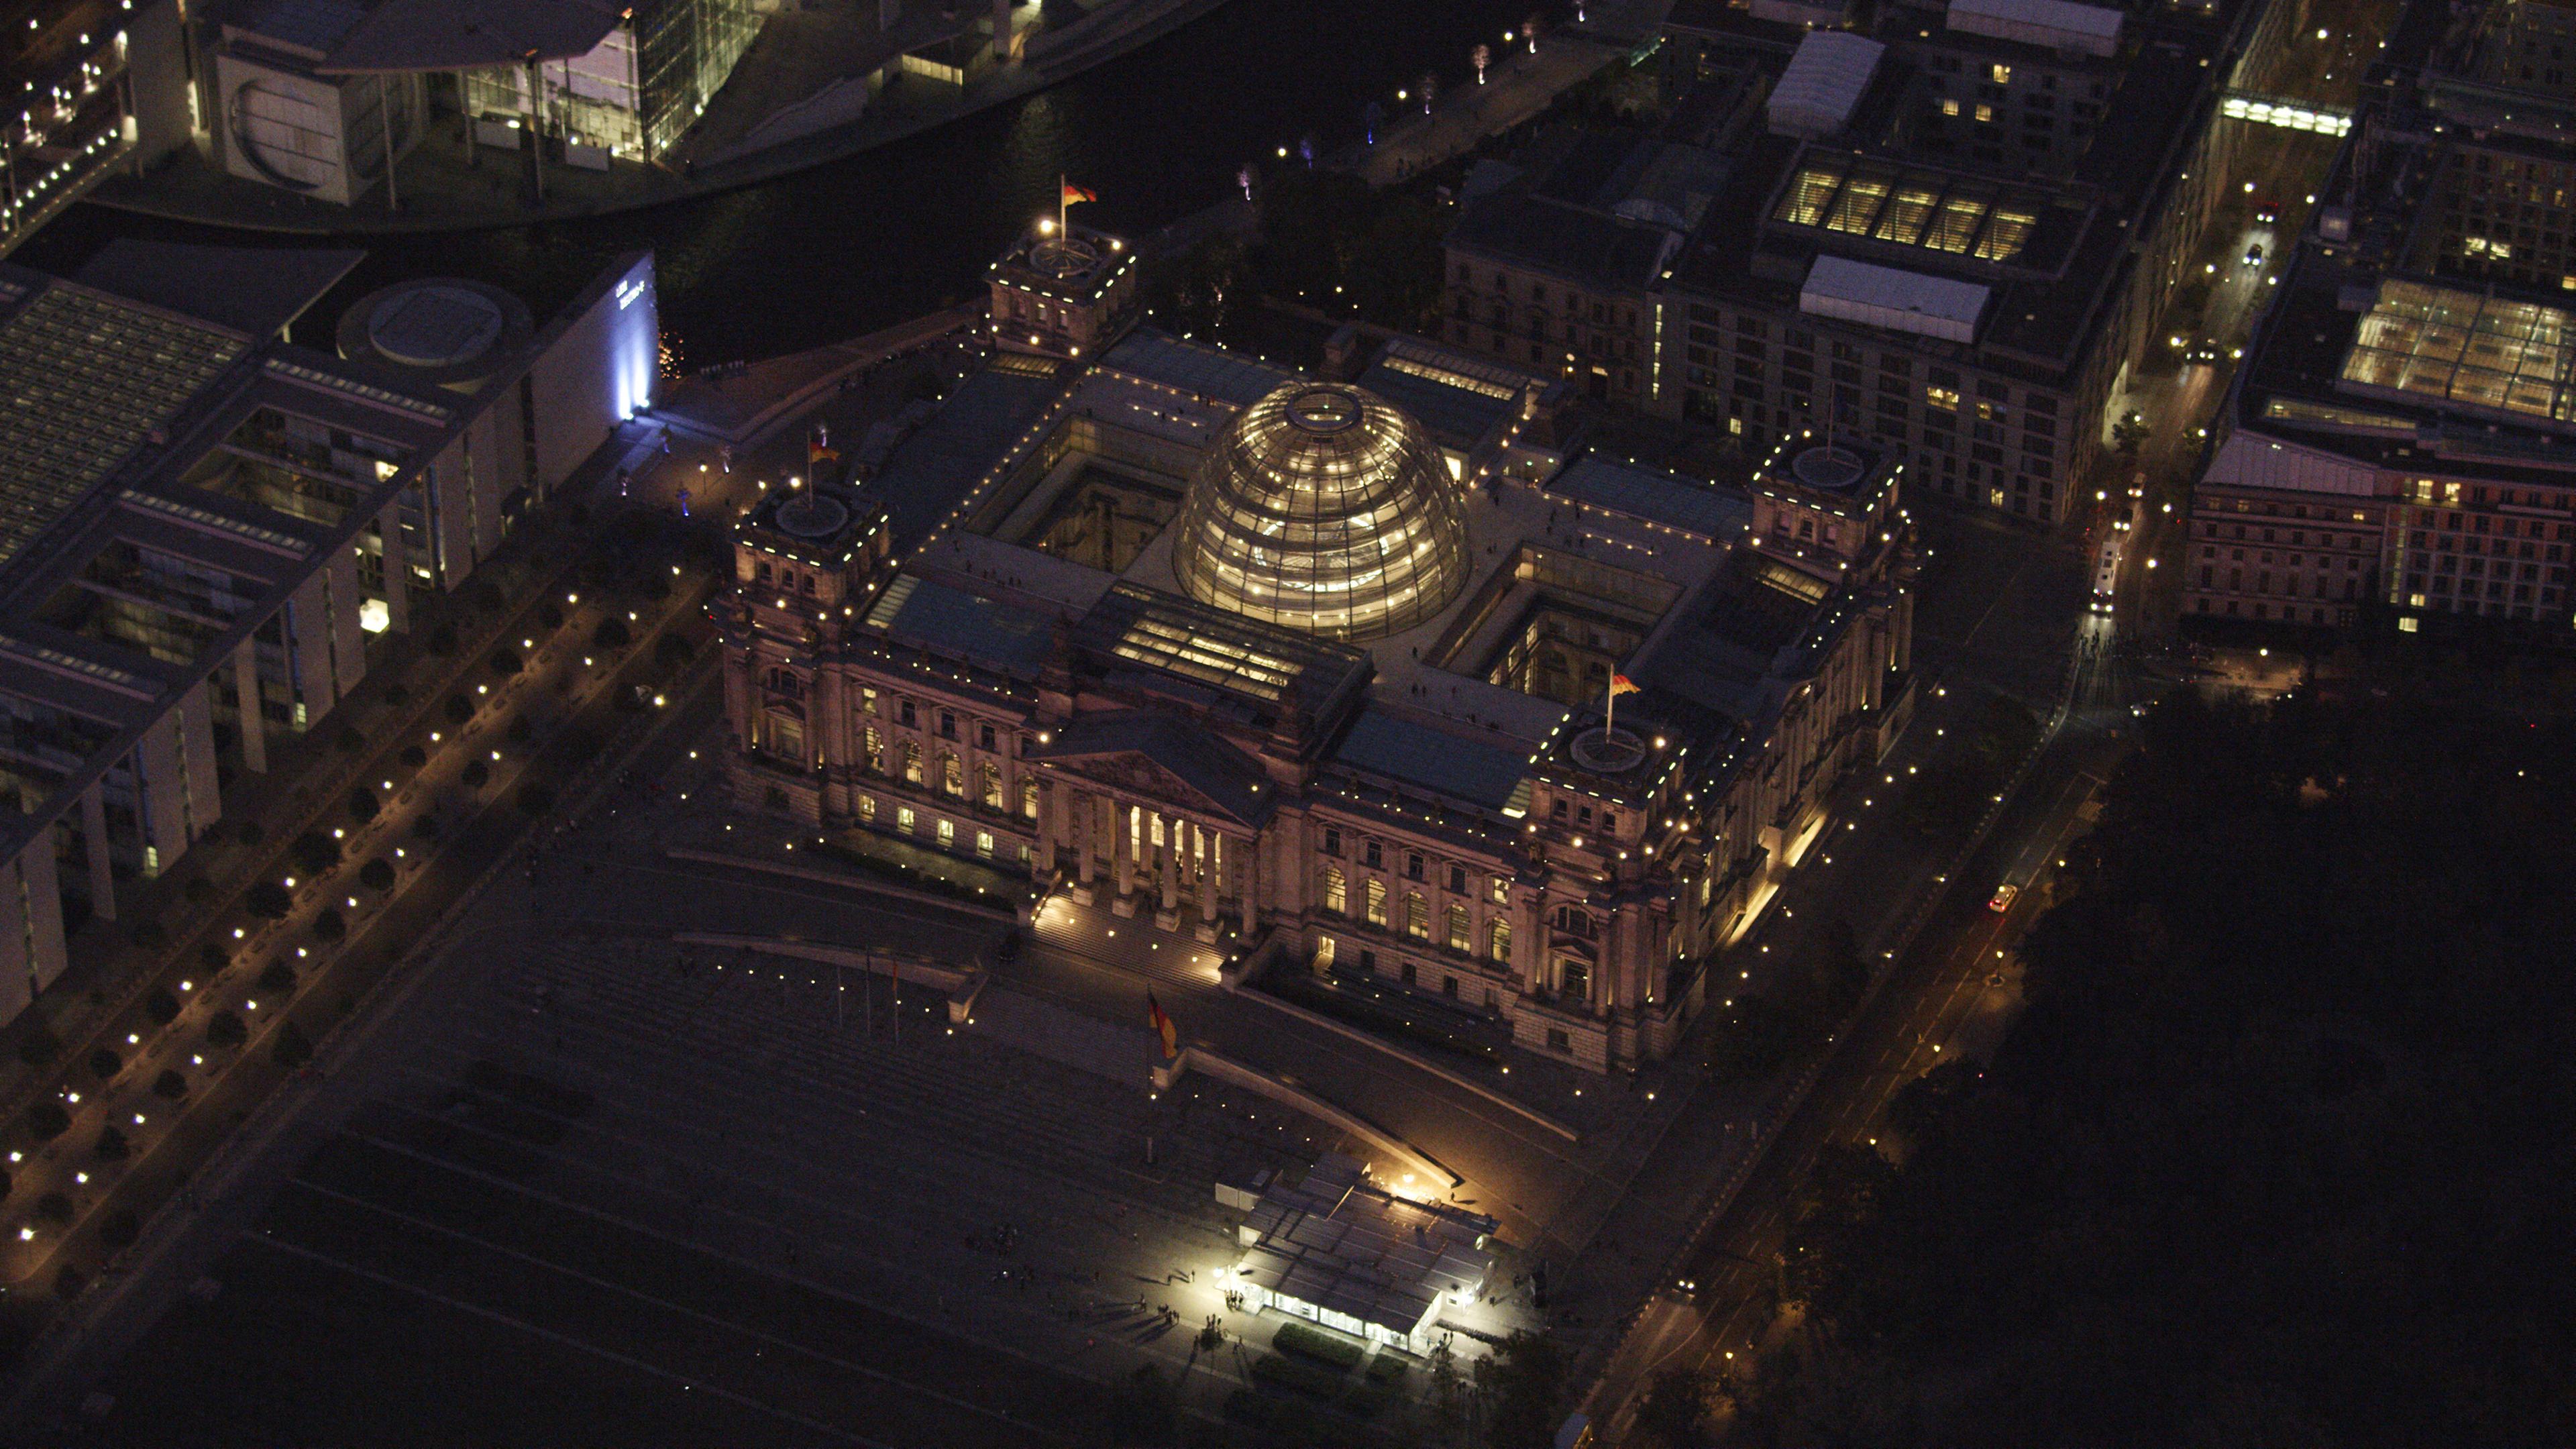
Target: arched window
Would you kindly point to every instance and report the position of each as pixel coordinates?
(1458, 928)
(1417, 915)
(952, 774)
(1377, 903)
(1501, 945)
(1337, 894)
(912, 762)
(1029, 798)
(992, 783)
(876, 751)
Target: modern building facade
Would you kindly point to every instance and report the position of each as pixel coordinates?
(1406, 775)
(203, 525)
(323, 97)
(1926, 236)
(2401, 446)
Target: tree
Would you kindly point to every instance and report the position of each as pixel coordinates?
(162, 1007)
(225, 1029)
(349, 739)
(290, 1048)
(112, 1146)
(1526, 1380)
(476, 774)
(673, 649)
(268, 900)
(363, 804)
(213, 956)
(315, 852)
(279, 978)
(505, 661)
(104, 1063)
(48, 1119)
(460, 709)
(442, 640)
(330, 925)
(1675, 1406)
(377, 875)
(413, 757)
(612, 635)
(170, 1084)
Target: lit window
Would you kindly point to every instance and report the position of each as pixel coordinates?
(905, 820)
(1337, 895)
(868, 809)
(1949, 105)
(1458, 928)
(1502, 890)
(1944, 398)
(1501, 932)
(1985, 114)
(1029, 799)
(2002, 75)
(947, 834)
(1377, 903)
(984, 843)
(1417, 915)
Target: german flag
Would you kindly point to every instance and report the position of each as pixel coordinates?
(1621, 684)
(1162, 1024)
(1073, 193)
(818, 446)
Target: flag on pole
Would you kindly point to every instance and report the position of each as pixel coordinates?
(818, 446)
(1162, 1026)
(1073, 193)
(1621, 684)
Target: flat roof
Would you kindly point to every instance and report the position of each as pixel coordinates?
(1189, 367)
(1823, 85)
(974, 430)
(84, 379)
(255, 291)
(401, 36)
(2058, 24)
(953, 621)
(1457, 766)
(1894, 298)
(1656, 496)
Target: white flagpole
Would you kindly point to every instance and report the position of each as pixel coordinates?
(1610, 710)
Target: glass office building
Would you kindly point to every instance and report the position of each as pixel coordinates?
(641, 89)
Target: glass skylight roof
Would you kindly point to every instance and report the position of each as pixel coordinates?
(1955, 214)
(2442, 344)
(83, 378)
(1324, 509)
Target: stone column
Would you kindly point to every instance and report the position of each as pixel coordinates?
(1171, 864)
(1247, 886)
(102, 877)
(1083, 813)
(1121, 857)
(397, 568)
(254, 727)
(1208, 881)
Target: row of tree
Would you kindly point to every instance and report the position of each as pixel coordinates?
(2284, 1149)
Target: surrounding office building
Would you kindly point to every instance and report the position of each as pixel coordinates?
(89, 90)
(322, 97)
(2401, 446)
(1925, 236)
(1317, 666)
(203, 525)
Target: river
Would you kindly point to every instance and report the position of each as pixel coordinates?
(889, 234)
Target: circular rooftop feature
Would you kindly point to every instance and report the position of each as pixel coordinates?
(1064, 257)
(444, 331)
(1827, 467)
(811, 515)
(1606, 751)
(1323, 508)
(434, 326)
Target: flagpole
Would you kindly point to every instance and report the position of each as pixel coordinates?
(1610, 710)
(1063, 212)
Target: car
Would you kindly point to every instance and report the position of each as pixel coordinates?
(2254, 255)
(2003, 898)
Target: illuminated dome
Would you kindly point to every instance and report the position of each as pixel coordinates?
(1322, 508)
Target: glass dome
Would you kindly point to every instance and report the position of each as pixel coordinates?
(1322, 508)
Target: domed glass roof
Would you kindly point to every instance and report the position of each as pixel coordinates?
(1322, 508)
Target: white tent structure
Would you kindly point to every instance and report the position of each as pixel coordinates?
(2054, 24)
(1894, 298)
(1823, 84)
